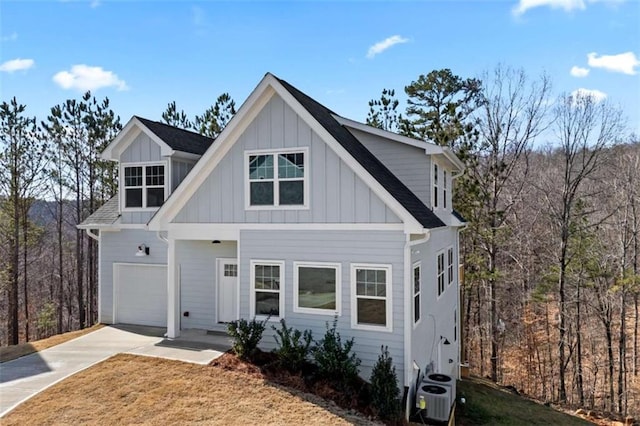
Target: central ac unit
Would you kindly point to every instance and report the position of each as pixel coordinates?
(443, 380)
(436, 402)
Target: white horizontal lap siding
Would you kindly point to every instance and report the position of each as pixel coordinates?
(409, 163)
(198, 274)
(336, 194)
(141, 150)
(121, 247)
(438, 310)
(372, 247)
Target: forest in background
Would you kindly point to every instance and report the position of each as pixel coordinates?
(551, 250)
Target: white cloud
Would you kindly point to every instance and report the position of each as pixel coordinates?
(17, 65)
(596, 95)
(94, 4)
(83, 77)
(385, 44)
(625, 63)
(579, 72)
(11, 37)
(567, 5)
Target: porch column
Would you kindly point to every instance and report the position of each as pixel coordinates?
(173, 292)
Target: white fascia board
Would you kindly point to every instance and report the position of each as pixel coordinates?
(194, 179)
(428, 147)
(342, 153)
(127, 135)
(453, 159)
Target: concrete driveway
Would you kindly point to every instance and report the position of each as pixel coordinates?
(24, 377)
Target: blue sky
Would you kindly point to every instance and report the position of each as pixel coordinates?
(145, 54)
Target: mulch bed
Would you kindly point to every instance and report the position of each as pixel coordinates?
(265, 365)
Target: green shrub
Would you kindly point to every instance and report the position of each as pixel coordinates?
(293, 346)
(384, 387)
(246, 335)
(333, 359)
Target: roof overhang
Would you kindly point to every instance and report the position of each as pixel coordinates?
(127, 135)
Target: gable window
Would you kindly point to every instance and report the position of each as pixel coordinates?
(144, 186)
(444, 189)
(450, 266)
(277, 179)
(435, 186)
(371, 297)
(267, 282)
(440, 276)
(416, 293)
(316, 288)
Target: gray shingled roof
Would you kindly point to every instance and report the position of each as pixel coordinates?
(105, 215)
(370, 162)
(178, 139)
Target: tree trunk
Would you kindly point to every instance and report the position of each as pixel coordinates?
(622, 364)
(25, 281)
(579, 377)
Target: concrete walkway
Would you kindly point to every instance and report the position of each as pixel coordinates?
(24, 377)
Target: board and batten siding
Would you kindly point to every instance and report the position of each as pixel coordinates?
(409, 163)
(179, 170)
(336, 194)
(344, 247)
(142, 149)
(121, 247)
(436, 316)
(198, 277)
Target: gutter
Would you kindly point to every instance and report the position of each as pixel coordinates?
(92, 235)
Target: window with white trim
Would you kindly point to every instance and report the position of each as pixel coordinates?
(450, 266)
(444, 189)
(144, 186)
(277, 179)
(416, 292)
(267, 283)
(435, 186)
(440, 275)
(316, 288)
(371, 297)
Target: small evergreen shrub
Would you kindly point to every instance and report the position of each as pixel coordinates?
(334, 359)
(246, 335)
(293, 346)
(384, 387)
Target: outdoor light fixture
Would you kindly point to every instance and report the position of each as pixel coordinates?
(215, 242)
(446, 341)
(143, 250)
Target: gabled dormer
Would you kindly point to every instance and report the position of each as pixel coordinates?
(153, 159)
(427, 169)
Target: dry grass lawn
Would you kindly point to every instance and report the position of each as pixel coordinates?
(7, 353)
(128, 389)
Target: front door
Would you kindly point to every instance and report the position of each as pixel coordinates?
(227, 290)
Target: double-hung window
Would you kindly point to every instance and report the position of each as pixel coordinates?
(144, 186)
(416, 292)
(435, 186)
(267, 288)
(316, 288)
(449, 266)
(371, 297)
(444, 189)
(440, 276)
(277, 179)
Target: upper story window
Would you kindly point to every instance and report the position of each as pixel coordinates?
(144, 186)
(416, 292)
(435, 186)
(277, 179)
(450, 266)
(444, 189)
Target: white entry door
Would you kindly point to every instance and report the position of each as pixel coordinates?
(227, 290)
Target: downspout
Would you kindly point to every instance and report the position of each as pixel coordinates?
(408, 320)
(162, 238)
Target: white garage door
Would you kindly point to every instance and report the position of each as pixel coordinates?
(140, 294)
